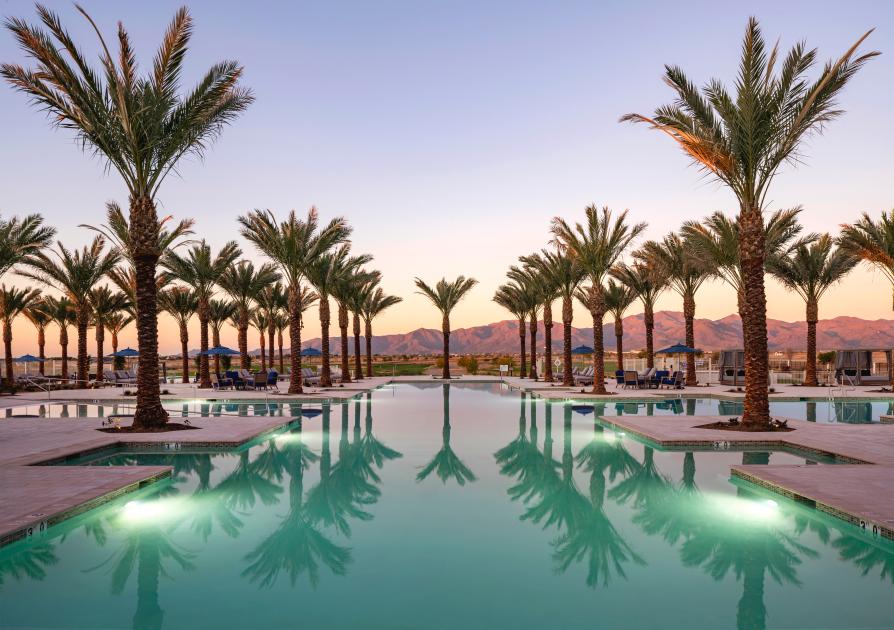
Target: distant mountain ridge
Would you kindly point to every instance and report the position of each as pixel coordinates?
(502, 336)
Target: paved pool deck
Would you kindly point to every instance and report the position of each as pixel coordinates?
(860, 491)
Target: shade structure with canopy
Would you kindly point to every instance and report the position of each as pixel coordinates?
(28, 359)
(731, 367)
(854, 367)
(678, 350)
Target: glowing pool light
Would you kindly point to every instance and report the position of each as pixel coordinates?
(153, 511)
(744, 510)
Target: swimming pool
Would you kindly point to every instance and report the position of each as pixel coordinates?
(449, 506)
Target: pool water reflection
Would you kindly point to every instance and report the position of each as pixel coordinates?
(457, 506)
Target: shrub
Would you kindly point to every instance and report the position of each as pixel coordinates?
(469, 364)
(826, 358)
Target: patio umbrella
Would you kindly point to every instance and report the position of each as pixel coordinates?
(27, 359)
(311, 413)
(584, 410)
(220, 351)
(677, 350)
(310, 352)
(582, 350)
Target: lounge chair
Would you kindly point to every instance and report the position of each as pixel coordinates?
(237, 381)
(585, 377)
(248, 379)
(674, 381)
(619, 378)
(220, 382)
(260, 378)
(273, 379)
(655, 381)
(631, 379)
(308, 377)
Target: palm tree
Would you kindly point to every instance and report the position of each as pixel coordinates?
(271, 301)
(281, 322)
(348, 286)
(37, 314)
(106, 304)
(647, 280)
(742, 140)
(361, 295)
(293, 245)
(62, 312)
(201, 270)
(597, 245)
(550, 291)
(21, 238)
(686, 272)
(13, 302)
(116, 322)
(564, 273)
(529, 282)
(142, 126)
(618, 298)
(513, 298)
(243, 283)
(220, 312)
(324, 273)
(181, 303)
(445, 296)
(259, 321)
(809, 270)
(75, 273)
(373, 306)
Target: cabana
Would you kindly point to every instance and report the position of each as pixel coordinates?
(732, 367)
(855, 367)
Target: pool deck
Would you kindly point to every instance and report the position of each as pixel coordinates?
(860, 491)
(36, 497)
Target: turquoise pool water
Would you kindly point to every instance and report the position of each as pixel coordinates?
(449, 506)
(824, 411)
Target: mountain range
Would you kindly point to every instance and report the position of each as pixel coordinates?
(838, 332)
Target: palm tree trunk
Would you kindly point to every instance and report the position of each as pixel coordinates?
(215, 341)
(649, 321)
(282, 364)
(114, 342)
(325, 369)
(100, 341)
(619, 341)
(533, 372)
(548, 342)
(343, 332)
(689, 318)
(523, 370)
(812, 318)
(242, 340)
(358, 366)
(445, 331)
(598, 312)
(295, 379)
(567, 315)
(204, 318)
(369, 348)
(41, 345)
(144, 245)
(7, 349)
(756, 412)
(184, 352)
(63, 343)
(261, 333)
(83, 321)
(271, 333)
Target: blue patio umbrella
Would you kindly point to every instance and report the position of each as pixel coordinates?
(584, 410)
(582, 350)
(677, 349)
(310, 352)
(220, 351)
(26, 359)
(126, 353)
(311, 413)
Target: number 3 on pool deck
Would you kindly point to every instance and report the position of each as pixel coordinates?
(38, 528)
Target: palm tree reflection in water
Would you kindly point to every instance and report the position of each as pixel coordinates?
(446, 464)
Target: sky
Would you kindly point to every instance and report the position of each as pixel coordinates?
(450, 133)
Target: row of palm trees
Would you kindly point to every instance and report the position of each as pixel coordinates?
(186, 286)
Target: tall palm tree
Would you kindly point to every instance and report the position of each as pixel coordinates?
(62, 312)
(105, 304)
(513, 298)
(220, 312)
(202, 270)
(360, 296)
(809, 270)
(21, 238)
(142, 126)
(271, 301)
(563, 272)
(348, 286)
(259, 322)
(550, 291)
(529, 281)
(597, 245)
(376, 302)
(618, 298)
(75, 273)
(324, 273)
(872, 241)
(742, 140)
(293, 245)
(37, 314)
(648, 281)
(181, 303)
(244, 283)
(445, 296)
(13, 302)
(686, 272)
(281, 322)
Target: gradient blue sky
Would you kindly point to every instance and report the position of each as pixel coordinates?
(449, 133)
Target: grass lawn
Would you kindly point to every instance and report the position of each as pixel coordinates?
(400, 369)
